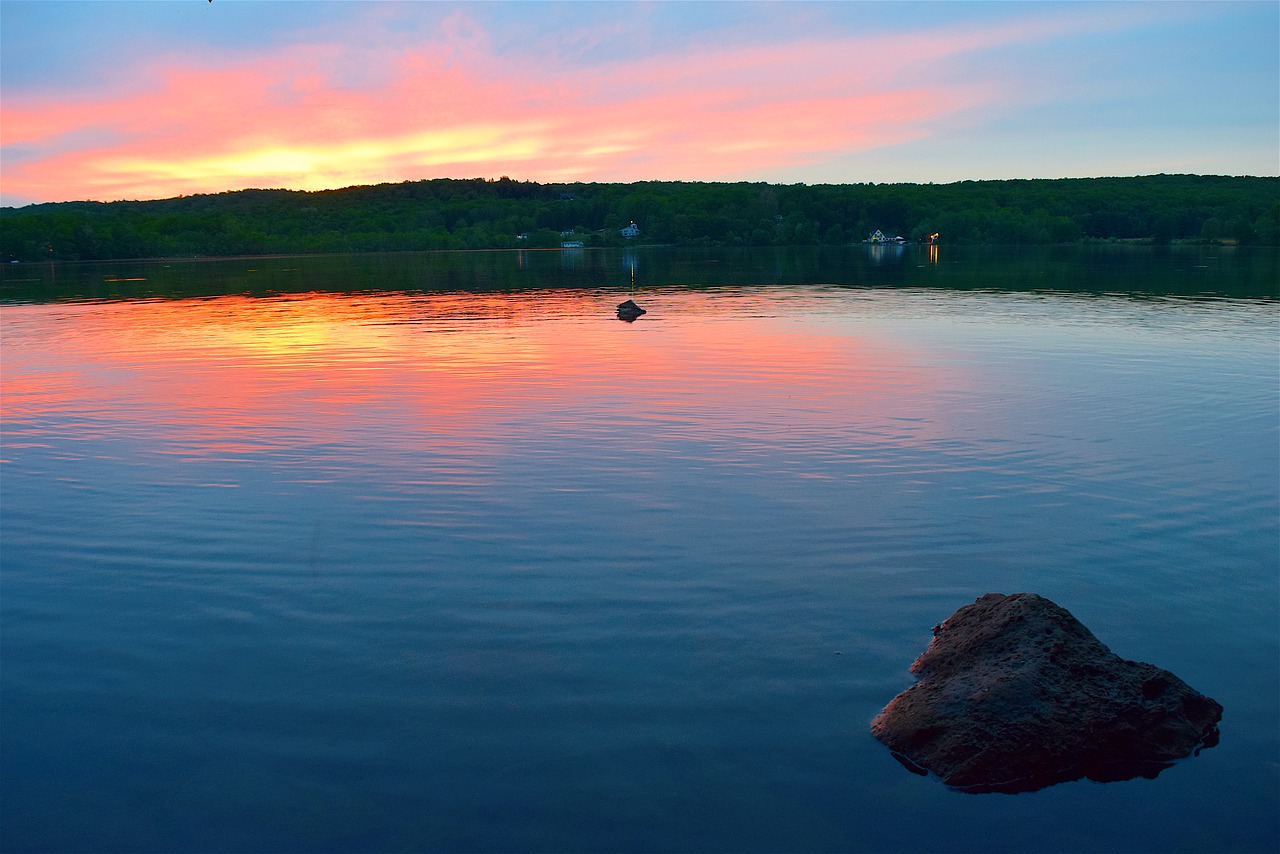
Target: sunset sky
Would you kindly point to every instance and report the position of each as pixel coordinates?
(141, 100)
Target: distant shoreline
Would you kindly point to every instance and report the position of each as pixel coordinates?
(449, 214)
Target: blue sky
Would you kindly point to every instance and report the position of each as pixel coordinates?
(109, 100)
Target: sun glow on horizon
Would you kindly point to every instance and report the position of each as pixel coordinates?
(317, 167)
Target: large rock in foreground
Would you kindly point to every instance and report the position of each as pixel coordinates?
(1016, 694)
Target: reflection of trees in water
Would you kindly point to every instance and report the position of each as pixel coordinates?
(1101, 268)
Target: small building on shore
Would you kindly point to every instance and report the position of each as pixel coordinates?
(879, 238)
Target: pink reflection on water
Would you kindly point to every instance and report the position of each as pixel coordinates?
(235, 376)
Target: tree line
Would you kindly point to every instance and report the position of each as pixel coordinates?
(504, 213)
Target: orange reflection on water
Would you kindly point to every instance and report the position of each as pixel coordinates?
(239, 375)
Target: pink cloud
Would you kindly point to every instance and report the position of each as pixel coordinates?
(301, 118)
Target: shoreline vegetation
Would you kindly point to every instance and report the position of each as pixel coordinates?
(482, 213)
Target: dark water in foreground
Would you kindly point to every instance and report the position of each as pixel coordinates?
(431, 552)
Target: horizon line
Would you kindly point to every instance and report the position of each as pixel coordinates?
(628, 183)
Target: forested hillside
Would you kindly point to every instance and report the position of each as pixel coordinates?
(480, 214)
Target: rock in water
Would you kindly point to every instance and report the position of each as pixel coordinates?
(1016, 694)
(629, 310)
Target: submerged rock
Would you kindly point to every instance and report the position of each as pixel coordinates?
(1016, 694)
(629, 310)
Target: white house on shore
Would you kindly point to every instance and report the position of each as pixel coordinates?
(878, 237)
(631, 231)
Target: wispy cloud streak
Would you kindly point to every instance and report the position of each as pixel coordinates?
(330, 112)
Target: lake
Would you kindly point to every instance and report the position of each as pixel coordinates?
(431, 552)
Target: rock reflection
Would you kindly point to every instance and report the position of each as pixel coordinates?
(1097, 772)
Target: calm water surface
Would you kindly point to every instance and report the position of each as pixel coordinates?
(431, 552)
